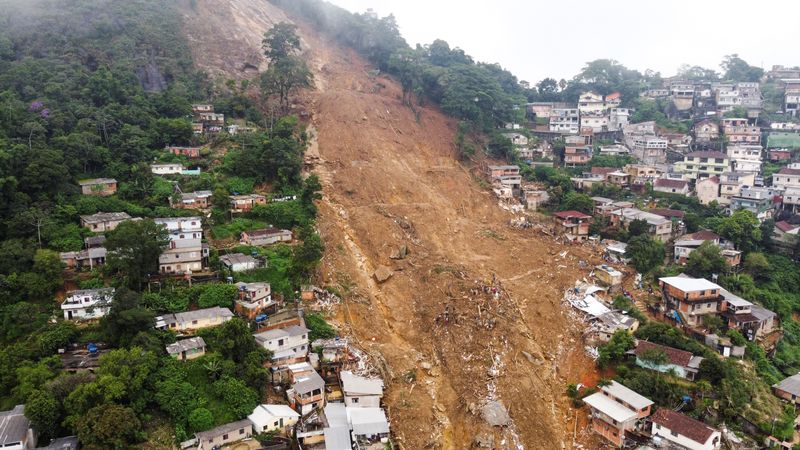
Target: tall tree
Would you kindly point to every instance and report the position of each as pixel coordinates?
(134, 248)
(286, 72)
(646, 254)
(706, 260)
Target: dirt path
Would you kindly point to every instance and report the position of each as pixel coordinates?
(473, 313)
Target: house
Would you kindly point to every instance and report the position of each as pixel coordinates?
(368, 425)
(658, 227)
(786, 178)
(608, 276)
(192, 200)
(238, 262)
(361, 392)
(731, 184)
(683, 363)
(186, 251)
(791, 200)
(534, 198)
(641, 172)
(245, 203)
(577, 151)
(267, 236)
(62, 443)
(707, 190)
(705, 131)
(686, 244)
(788, 389)
(752, 321)
(87, 303)
(760, 201)
(202, 108)
(307, 393)
(671, 186)
(91, 257)
(597, 123)
(332, 350)
(189, 152)
(573, 225)
(197, 128)
(187, 349)
(565, 120)
(616, 410)
(102, 222)
(614, 150)
(684, 431)
(253, 299)
(15, 430)
(780, 155)
(692, 298)
(267, 418)
(745, 157)
(618, 118)
(288, 345)
(605, 206)
(785, 233)
(738, 130)
(606, 324)
(618, 178)
(190, 321)
(496, 172)
(226, 434)
(167, 169)
(212, 121)
(649, 149)
(94, 241)
(591, 103)
(101, 187)
(702, 164)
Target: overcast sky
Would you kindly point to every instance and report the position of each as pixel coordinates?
(536, 39)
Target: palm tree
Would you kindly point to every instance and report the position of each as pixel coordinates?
(213, 367)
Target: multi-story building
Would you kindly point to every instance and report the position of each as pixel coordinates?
(591, 103)
(692, 298)
(87, 303)
(649, 149)
(307, 393)
(596, 122)
(739, 130)
(618, 118)
(682, 95)
(745, 157)
(731, 184)
(573, 225)
(565, 120)
(253, 298)
(707, 190)
(288, 345)
(617, 410)
(786, 178)
(705, 131)
(659, 227)
(791, 199)
(186, 251)
(791, 96)
(758, 200)
(702, 165)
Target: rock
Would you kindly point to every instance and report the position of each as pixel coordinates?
(529, 357)
(383, 273)
(495, 414)
(484, 440)
(400, 253)
(425, 365)
(472, 408)
(440, 407)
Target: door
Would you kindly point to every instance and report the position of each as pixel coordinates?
(69, 315)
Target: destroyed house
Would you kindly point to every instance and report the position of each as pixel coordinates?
(573, 225)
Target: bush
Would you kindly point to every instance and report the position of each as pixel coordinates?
(200, 419)
(217, 295)
(319, 328)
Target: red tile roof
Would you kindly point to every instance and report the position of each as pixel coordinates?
(683, 425)
(613, 96)
(673, 184)
(571, 215)
(675, 356)
(603, 170)
(702, 235)
(785, 226)
(788, 171)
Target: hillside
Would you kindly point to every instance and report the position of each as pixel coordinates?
(390, 180)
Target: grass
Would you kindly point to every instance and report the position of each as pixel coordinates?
(235, 227)
(278, 270)
(198, 377)
(783, 140)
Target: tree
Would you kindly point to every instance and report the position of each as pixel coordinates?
(713, 323)
(200, 419)
(217, 295)
(757, 265)
(133, 250)
(306, 256)
(621, 341)
(646, 254)
(311, 192)
(236, 395)
(108, 427)
(127, 317)
(654, 357)
(500, 146)
(741, 228)
(44, 412)
(638, 227)
(737, 69)
(286, 72)
(577, 202)
(318, 328)
(705, 260)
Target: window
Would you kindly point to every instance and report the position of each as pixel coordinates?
(673, 433)
(224, 437)
(658, 427)
(355, 399)
(194, 322)
(275, 424)
(241, 430)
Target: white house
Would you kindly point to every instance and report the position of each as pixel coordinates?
(267, 418)
(167, 169)
(186, 250)
(87, 303)
(786, 178)
(368, 424)
(288, 345)
(684, 431)
(360, 391)
(238, 262)
(15, 430)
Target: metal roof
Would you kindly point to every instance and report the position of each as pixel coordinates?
(308, 383)
(790, 385)
(354, 384)
(687, 284)
(13, 425)
(368, 421)
(337, 438)
(186, 345)
(610, 407)
(627, 395)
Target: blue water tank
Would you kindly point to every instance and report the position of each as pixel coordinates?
(261, 317)
(92, 348)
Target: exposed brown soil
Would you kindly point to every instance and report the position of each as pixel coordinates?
(390, 180)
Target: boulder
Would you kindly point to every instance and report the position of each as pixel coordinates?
(495, 414)
(383, 273)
